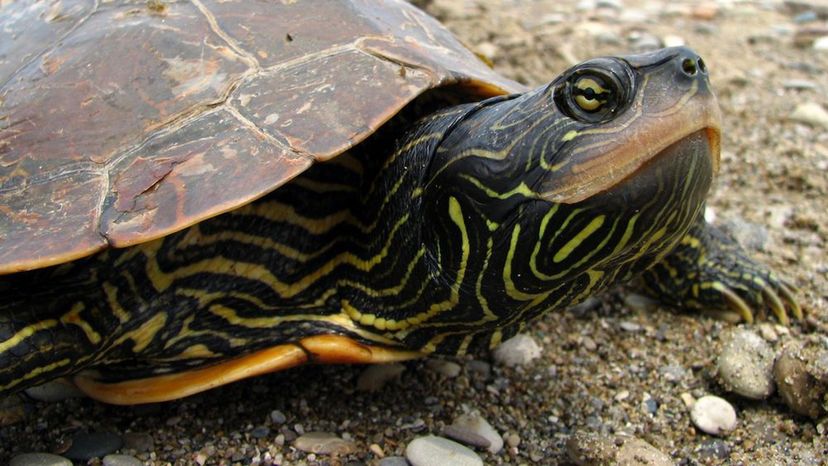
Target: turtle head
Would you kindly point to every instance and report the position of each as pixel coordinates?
(577, 184)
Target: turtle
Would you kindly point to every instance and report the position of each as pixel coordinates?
(193, 193)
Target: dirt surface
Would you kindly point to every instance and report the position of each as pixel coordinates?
(606, 368)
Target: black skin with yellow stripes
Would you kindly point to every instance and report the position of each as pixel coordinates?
(449, 235)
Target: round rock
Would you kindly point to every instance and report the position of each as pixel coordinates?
(801, 374)
(323, 443)
(437, 451)
(39, 459)
(517, 351)
(713, 415)
(745, 365)
(93, 445)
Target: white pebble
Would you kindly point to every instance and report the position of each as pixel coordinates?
(437, 451)
(821, 43)
(745, 365)
(713, 415)
(673, 41)
(375, 377)
(475, 423)
(517, 351)
(811, 113)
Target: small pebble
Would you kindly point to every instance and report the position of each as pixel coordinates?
(673, 41)
(517, 351)
(393, 461)
(445, 368)
(713, 415)
(767, 332)
(39, 459)
(55, 390)
(437, 451)
(93, 445)
(628, 326)
(121, 460)
(821, 43)
(745, 365)
(260, 432)
(811, 113)
(512, 439)
(277, 417)
(323, 443)
(475, 423)
(799, 84)
(373, 378)
(377, 450)
(802, 378)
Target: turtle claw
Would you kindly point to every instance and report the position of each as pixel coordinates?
(788, 293)
(736, 303)
(773, 301)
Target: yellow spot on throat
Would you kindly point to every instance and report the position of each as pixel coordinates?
(570, 135)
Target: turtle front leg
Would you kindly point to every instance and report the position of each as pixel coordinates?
(708, 270)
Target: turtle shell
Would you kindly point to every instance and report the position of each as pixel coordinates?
(124, 121)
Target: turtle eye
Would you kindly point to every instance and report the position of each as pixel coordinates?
(594, 93)
(590, 94)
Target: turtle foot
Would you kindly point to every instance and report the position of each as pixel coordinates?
(710, 272)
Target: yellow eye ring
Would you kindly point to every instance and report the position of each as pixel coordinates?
(589, 93)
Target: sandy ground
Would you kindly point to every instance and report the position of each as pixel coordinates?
(593, 376)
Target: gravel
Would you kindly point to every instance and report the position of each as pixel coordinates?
(772, 175)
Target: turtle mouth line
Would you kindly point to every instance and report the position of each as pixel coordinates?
(691, 156)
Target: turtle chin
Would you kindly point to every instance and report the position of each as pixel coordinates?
(661, 200)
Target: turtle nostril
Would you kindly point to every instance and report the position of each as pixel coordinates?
(688, 65)
(702, 66)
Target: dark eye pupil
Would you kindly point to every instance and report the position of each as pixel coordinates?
(589, 93)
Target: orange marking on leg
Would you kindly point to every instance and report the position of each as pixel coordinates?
(173, 386)
(321, 349)
(337, 349)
